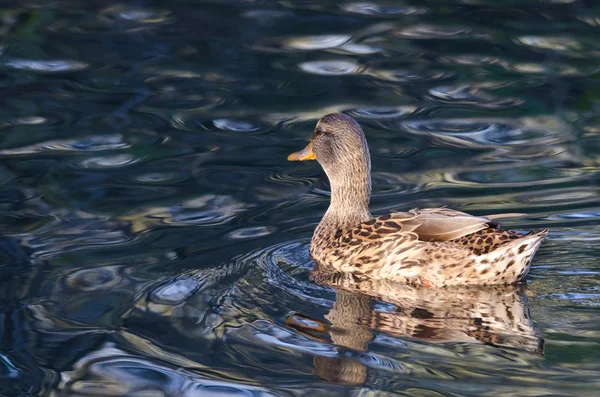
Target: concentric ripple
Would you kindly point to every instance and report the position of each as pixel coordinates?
(316, 42)
(330, 67)
(375, 9)
(378, 113)
(201, 210)
(87, 144)
(116, 161)
(50, 66)
(135, 15)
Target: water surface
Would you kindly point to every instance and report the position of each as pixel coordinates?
(154, 239)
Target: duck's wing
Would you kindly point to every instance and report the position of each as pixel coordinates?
(376, 229)
(431, 224)
(443, 224)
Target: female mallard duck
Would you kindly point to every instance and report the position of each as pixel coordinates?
(434, 247)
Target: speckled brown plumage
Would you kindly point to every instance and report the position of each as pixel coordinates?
(433, 247)
(487, 240)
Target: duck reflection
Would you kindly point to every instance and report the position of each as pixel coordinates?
(497, 316)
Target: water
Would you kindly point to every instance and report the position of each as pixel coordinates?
(154, 238)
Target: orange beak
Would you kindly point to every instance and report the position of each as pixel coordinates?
(304, 154)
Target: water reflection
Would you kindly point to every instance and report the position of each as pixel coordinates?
(497, 316)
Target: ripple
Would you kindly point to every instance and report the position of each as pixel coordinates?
(438, 32)
(309, 43)
(137, 15)
(471, 131)
(358, 49)
(209, 209)
(86, 144)
(382, 112)
(330, 68)
(98, 278)
(74, 231)
(235, 125)
(31, 120)
(391, 184)
(205, 209)
(523, 140)
(264, 334)
(561, 44)
(474, 95)
(101, 162)
(527, 138)
(549, 68)
(590, 299)
(174, 292)
(469, 60)
(185, 297)
(516, 176)
(51, 66)
(162, 177)
(331, 42)
(286, 267)
(108, 370)
(561, 196)
(592, 20)
(161, 74)
(267, 16)
(409, 76)
(366, 8)
(190, 120)
(251, 232)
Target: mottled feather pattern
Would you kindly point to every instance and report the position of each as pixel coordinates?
(391, 247)
(433, 247)
(487, 240)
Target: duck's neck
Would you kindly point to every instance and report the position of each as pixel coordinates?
(349, 207)
(349, 202)
(350, 196)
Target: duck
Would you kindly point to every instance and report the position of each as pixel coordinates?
(431, 247)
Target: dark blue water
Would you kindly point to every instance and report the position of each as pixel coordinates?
(154, 239)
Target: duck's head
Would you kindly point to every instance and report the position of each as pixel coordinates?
(339, 145)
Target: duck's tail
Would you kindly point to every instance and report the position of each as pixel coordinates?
(522, 251)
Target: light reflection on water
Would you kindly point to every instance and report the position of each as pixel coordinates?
(154, 238)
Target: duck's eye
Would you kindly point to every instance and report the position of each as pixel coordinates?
(319, 131)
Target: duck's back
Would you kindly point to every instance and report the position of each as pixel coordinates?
(432, 247)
